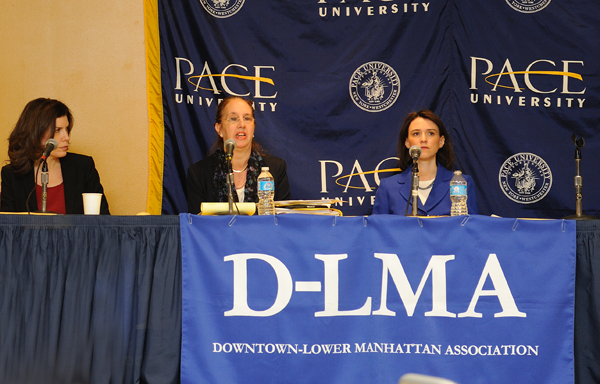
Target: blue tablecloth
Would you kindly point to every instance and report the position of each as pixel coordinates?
(95, 299)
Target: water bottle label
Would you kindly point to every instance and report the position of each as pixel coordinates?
(458, 190)
(266, 186)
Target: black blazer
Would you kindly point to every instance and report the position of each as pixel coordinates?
(79, 176)
(200, 181)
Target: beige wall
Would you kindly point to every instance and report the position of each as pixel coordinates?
(91, 56)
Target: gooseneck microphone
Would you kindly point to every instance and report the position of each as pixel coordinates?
(51, 145)
(415, 152)
(229, 147)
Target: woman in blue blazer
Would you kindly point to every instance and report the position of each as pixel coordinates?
(426, 130)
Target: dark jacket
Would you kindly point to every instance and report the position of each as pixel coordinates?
(393, 193)
(200, 181)
(79, 176)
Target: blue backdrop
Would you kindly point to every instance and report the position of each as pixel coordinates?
(307, 299)
(332, 80)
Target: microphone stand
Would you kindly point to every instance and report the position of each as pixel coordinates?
(230, 184)
(414, 189)
(579, 143)
(44, 185)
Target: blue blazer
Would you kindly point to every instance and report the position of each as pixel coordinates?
(394, 192)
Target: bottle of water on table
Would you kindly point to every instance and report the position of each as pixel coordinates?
(266, 192)
(458, 195)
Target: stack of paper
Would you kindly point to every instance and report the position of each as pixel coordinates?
(312, 207)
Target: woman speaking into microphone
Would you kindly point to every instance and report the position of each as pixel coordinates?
(69, 174)
(207, 179)
(426, 130)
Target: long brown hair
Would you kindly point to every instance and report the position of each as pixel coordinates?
(37, 119)
(444, 156)
(219, 118)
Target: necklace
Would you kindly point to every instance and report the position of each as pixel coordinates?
(236, 171)
(427, 187)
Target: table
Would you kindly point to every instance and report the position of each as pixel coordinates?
(98, 299)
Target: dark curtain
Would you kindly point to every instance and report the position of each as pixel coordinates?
(587, 303)
(90, 299)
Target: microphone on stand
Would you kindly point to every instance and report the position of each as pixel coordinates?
(415, 153)
(579, 143)
(51, 145)
(229, 147)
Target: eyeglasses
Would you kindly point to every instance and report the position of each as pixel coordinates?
(236, 119)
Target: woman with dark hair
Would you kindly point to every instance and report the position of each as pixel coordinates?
(426, 130)
(206, 179)
(69, 174)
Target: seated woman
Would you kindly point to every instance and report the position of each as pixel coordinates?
(206, 179)
(425, 129)
(69, 174)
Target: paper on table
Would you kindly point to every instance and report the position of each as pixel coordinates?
(313, 207)
(307, 203)
(223, 208)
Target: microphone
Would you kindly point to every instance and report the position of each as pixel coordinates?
(415, 152)
(51, 144)
(229, 147)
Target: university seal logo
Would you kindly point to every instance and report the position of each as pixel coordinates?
(528, 6)
(222, 8)
(374, 86)
(525, 178)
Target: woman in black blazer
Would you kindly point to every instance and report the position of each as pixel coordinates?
(206, 179)
(69, 174)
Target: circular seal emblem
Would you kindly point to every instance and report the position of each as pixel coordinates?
(525, 178)
(374, 86)
(222, 8)
(528, 6)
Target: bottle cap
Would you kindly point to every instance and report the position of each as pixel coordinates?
(264, 169)
(458, 172)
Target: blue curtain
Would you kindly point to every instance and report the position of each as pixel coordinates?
(89, 299)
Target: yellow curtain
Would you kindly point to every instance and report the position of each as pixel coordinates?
(155, 108)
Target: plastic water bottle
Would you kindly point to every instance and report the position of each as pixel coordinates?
(458, 195)
(266, 192)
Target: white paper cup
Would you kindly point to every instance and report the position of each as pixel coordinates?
(91, 203)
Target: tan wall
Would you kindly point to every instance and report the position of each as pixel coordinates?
(91, 56)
